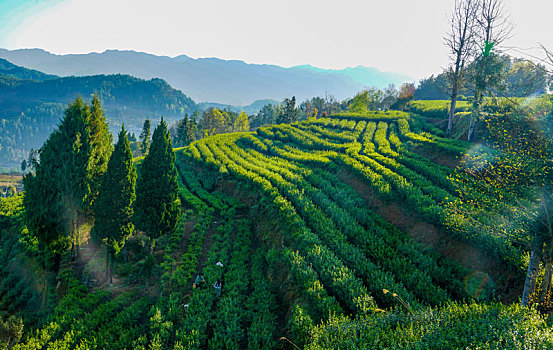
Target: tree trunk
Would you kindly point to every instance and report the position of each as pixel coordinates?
(107, 264)
(471, 127)
(474, 115)
(531, 274)
(546, 280)
(111, 268)
(451, 113)
(74, 247)
(77, 240)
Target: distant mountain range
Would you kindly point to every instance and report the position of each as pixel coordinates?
(227, 82)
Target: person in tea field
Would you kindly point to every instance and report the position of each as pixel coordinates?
(218, 286)
(199, 280)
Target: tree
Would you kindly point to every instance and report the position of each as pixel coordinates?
(74, 151)
(266, 115)
(525, 78)
(460, 41)
(84, 148)
(213, 122)
(157, 203)
(241, 123)
(184, 132)
(191, 129)
(60, 194)
(145, 137)
(179, 131)
(289, 113)
(366, 100)
(42, 199)
(100, 151)
(493, 27)
(11, 331)
(390, 95)
(114, 207)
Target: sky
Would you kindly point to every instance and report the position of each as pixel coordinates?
(402, 36)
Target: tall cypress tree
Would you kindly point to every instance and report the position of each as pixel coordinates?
(145, 137)
(157, 202)
(42, 200)
(73, 150)
(100, 152)
(114, 206)
(65, 183)
(84, 148)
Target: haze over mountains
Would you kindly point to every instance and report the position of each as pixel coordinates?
(211, 79)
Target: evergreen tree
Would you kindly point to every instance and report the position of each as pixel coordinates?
(184, 132)
(289, 112)
(101, 149)
(145, 137)
(84, 149)
(157, 203)
(190, 132)
(59, 196)
(73, 149)
(42, 199)
(114, 207)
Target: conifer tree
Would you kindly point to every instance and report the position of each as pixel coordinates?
(114, 207)
(145, 137)
(289, 112)
(42, 199)
(61, 192)
(101, 149)
(73, 151)
(157, 203)
(84, 149)
(190, 131)
(184, 132)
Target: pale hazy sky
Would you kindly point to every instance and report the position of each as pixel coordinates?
(404, 36)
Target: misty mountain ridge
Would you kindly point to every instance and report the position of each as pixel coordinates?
(227, 82)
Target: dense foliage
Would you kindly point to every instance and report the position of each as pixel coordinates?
(60, 193)
(519, 78)
(114, 207)
(157, 204)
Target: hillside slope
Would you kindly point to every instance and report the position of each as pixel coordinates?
(11, 70)
(333, 233)
(31, 109)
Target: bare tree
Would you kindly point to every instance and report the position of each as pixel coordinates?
(461, 43)
(493, 28)
(548, 60)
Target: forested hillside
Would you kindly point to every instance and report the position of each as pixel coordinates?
(31, 109)
(8, 69)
